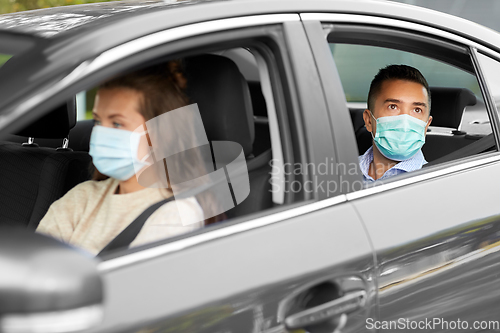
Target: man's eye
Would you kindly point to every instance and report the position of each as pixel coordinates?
(418, 110)
(393, 106)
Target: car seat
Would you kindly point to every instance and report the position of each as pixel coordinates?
(31, 176)
(223, 97)
(447, 108)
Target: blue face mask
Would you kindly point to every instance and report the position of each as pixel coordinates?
(114, 152)
(399, 137)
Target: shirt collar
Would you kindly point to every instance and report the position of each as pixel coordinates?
(413, 163)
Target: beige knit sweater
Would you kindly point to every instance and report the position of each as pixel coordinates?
(91, 215)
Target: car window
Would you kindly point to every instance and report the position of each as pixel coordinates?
(236, 137)
(4, 58)
(358, 64)
(12, 46)
(490, 68)
(460, 117)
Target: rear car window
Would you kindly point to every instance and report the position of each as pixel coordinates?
(460, 116)
(358, 64)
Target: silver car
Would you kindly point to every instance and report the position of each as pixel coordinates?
(310, 247)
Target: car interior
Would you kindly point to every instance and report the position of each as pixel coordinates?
(448, 105)
(50, 156)
(46, 159)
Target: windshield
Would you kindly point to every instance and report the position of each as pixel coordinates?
(4, 58)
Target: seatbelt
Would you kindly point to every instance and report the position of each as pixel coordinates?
(477, 147)
(128, 234)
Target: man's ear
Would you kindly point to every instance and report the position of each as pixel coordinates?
(368, 120)
(428, 123)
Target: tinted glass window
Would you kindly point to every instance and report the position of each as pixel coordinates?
(13, 45)
(4, 58)
(358, 64)
(491, 68)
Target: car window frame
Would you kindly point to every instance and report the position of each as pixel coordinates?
(484, 82)
(247, 36)
(317, 20)
(282, 77)
(287, 69)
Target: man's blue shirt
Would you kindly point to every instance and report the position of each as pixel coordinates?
(413, 163)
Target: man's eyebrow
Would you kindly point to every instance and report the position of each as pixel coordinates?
(420, 104)
(392, 100)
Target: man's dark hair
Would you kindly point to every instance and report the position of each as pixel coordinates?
(395, 72)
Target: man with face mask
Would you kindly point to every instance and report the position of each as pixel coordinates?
(398, 116)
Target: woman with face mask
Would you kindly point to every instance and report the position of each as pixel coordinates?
(93, 213)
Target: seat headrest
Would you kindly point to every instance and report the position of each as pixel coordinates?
(223, 97)
(53, 125)
(448, 105)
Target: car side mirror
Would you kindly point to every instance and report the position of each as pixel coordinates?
(46, 286)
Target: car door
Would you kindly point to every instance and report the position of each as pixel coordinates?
(435, 232)
(304, 263)
(307, 264)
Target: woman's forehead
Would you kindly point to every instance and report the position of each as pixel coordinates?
(124, 101)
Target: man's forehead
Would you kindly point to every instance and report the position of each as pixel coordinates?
(396, 89)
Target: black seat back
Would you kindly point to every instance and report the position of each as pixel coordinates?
(223, 98)
(448, 106)
(32, 177)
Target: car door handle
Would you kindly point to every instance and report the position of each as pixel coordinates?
(339, 306)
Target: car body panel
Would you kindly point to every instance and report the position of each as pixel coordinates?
(237, 272)
(437, 257)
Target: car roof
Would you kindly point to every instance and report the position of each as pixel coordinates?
(49, 22)
(69, 20)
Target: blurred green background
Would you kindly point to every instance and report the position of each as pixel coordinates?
(11, 6)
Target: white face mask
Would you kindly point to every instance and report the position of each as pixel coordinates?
(114, 152)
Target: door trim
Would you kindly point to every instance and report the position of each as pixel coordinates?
(151, 253)
(489, 159)
(387, 22)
